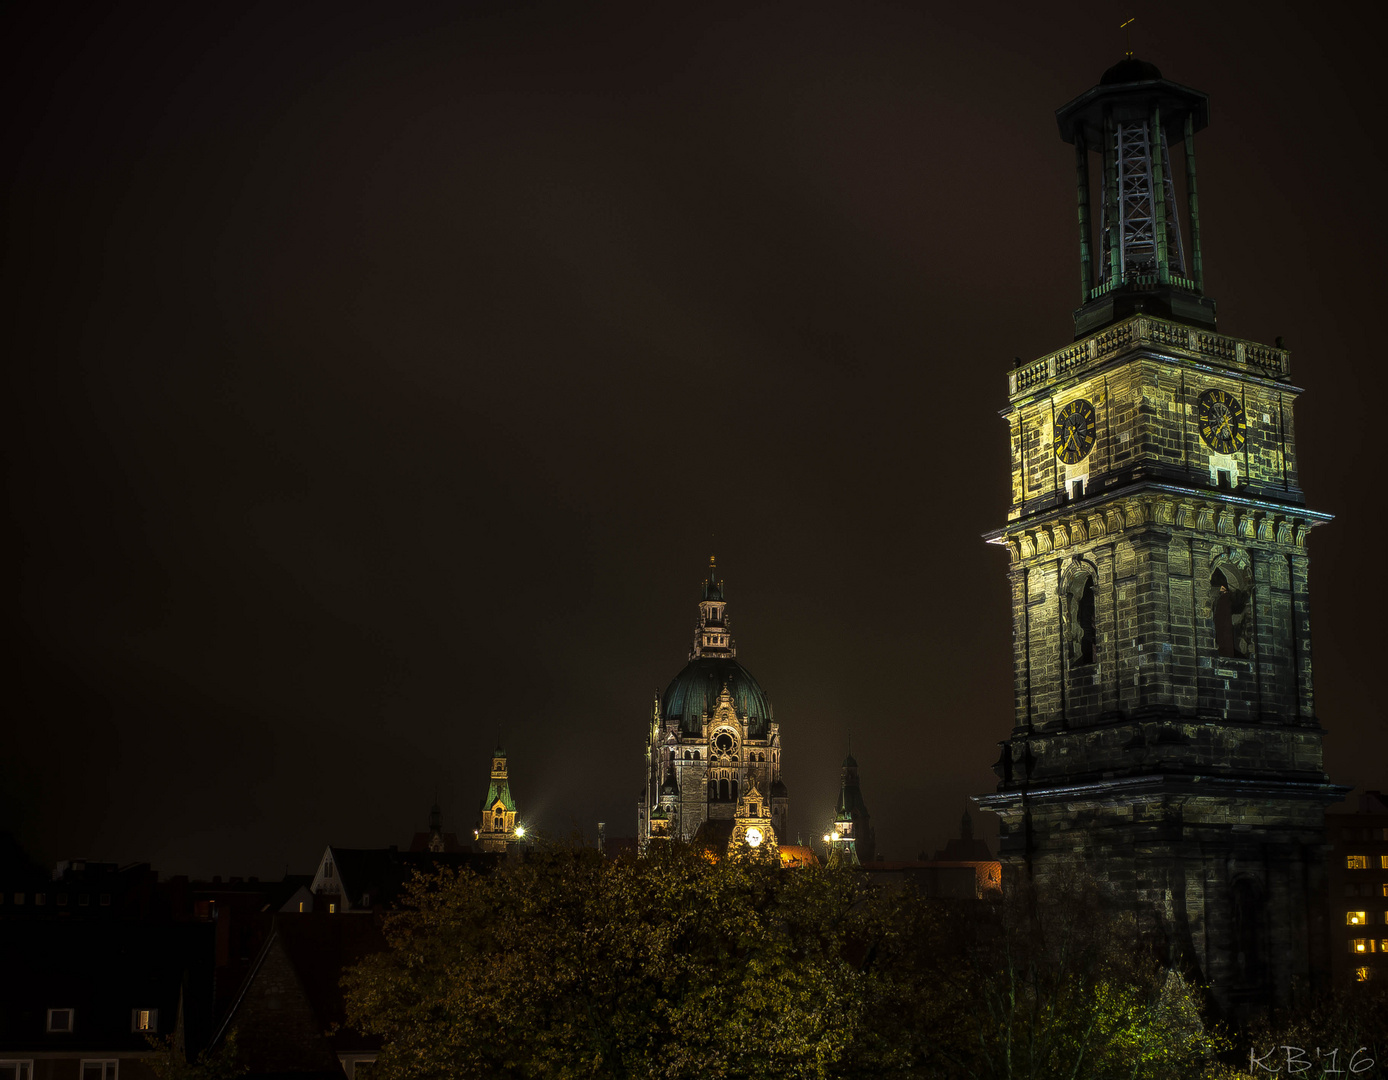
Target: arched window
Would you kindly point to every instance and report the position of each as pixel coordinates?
(723, 790)
(734, 791)
(1085, 618)
(1229, 609)
(1079, 620)
(687, 756)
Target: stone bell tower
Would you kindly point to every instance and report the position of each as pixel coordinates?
(1165, 733)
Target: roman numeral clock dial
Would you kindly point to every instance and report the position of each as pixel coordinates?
(1223, 426)
(1075, 431)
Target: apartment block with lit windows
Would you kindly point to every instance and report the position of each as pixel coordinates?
(1359, 890)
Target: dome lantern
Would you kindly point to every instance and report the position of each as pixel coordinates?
(712, 636)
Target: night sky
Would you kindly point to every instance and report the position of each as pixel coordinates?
(381, 378)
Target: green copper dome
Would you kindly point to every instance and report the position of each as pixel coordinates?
(694, 691)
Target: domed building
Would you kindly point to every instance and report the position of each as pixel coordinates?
(712, 738)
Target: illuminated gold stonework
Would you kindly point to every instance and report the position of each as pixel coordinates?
(712, 738)
(1159, 575)
(753, 835)
(497, 828)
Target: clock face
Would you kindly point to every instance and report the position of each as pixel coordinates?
(1075, 431)
(754, 836)
(1222, 422)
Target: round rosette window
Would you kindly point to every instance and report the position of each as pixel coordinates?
(723, 743)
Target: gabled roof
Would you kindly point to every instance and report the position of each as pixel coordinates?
(292, 998)
(499, 789)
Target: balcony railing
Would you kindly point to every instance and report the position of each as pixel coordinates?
(1139, 330)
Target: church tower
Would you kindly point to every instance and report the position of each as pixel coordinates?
(497, 829)
(1165, 732)
(712, 737)
(853, 840)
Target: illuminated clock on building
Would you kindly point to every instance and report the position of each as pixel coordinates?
(1075, 431)
(754, 836)
(1222, 422)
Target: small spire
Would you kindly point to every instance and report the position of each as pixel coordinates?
(966, 826)
(1128, 35)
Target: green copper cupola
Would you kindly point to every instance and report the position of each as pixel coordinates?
(1139, 259)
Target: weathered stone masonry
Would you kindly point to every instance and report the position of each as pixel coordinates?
(1187, 775)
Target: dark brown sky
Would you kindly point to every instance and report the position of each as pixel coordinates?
(381, 377)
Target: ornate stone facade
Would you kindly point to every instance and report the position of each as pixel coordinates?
(497, 828)
(1165, 730)
(712, 737)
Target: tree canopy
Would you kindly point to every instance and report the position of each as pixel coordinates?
(565, 964)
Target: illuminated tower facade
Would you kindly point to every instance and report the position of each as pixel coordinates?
(852, 839)
(497, 828)
(1165, 731)
(711, 738)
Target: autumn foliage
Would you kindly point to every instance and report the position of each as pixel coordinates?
(566, 965)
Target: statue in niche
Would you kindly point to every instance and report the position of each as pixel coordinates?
(1229, 608)
(1079, 621)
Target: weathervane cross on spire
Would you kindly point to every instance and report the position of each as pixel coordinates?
(1128, 34)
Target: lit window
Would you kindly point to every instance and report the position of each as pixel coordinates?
(99, 1070)
(144, 1020)
(1355, 918)
(301, 906)
(16, 1070)
(1356, 862)
(1383, 862)
(332, 909)
(1361, 945)
(1361, 974)
(1385, 890)
(60, 1020)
